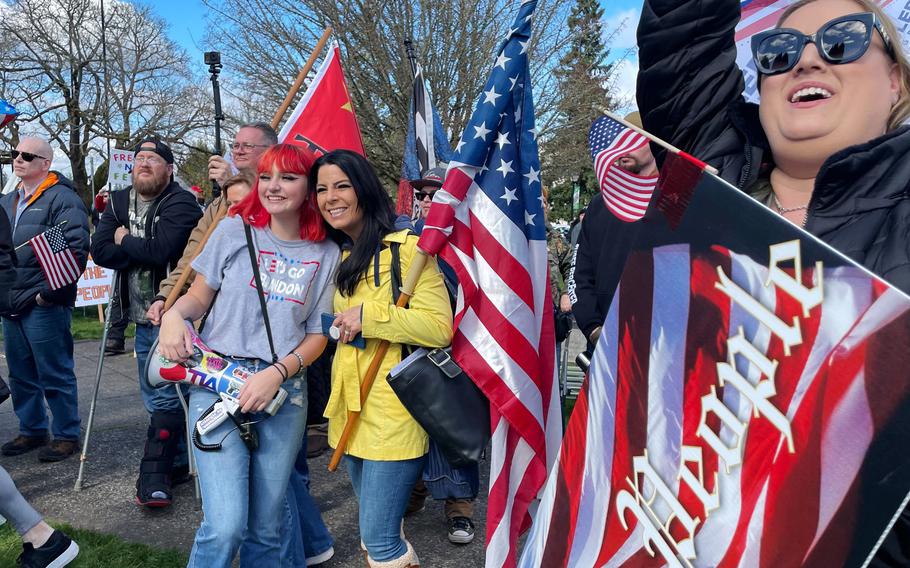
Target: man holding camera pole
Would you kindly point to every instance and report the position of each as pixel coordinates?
(142, 234)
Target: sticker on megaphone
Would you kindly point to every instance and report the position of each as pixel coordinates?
(204, 368)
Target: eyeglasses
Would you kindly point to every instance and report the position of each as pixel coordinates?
(421, 195)
(27, 156)
(841, 40)
(150, 160)
(247, 147)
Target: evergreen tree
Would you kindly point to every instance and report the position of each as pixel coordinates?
(583, 95)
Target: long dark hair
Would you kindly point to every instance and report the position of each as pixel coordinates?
(373, 202)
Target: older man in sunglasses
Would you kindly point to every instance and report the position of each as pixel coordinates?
(36, 327)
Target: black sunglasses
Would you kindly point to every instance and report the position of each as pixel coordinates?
(420, 195)
(27, 156)
(842, 40)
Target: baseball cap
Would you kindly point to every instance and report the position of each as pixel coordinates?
(160, 148)
(433, 178)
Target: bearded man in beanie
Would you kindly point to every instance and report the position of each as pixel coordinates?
(142, 234)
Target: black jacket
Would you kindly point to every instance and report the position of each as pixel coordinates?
(7, 263)
(690, 94)
(55, 205)
(597, 262)
(171, 218)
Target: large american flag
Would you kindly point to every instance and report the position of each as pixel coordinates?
(626, 194)
(488, 223)
(667, 330)
(57, 261)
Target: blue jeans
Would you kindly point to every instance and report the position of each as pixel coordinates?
(156, 400)
(243, 492)
(383, 489)
(39, 353)
(303, 533)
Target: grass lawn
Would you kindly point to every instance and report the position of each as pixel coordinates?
(97, 549)
(86, 325)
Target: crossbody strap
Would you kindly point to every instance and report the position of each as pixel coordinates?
(255, 265)
(396, 286)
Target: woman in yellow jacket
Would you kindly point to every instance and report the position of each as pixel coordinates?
(387, 450)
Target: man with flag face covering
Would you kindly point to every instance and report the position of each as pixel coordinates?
(603, 246)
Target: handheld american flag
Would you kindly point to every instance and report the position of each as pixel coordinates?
(487, 222)
(626, 194)
(55, 258)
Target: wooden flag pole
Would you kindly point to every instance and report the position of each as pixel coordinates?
(222, 211)
(407, 290)
(657, 140)
(301, 76)
(188, 269)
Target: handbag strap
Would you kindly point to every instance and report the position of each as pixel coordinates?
(255, 265)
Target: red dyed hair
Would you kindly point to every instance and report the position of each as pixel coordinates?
(289, 159)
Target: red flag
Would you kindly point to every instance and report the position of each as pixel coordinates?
(324, 119)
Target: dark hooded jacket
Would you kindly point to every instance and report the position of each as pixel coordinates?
(690, 94)
(51, 205)
(171, 218)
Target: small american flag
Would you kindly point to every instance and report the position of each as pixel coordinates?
(626, 194)
(488, 223)
(55, 258)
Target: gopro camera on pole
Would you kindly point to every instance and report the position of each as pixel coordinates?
(213, 60)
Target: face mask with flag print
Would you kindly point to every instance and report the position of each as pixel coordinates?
(626, 194)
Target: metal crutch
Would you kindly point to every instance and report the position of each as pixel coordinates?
(189, 445)
(91, 413)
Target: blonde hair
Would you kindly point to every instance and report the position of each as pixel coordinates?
(901, 109)
(242, 177)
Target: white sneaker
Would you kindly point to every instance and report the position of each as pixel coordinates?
(320, 558)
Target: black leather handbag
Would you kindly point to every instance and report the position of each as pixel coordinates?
(445, 402)
(440, 396)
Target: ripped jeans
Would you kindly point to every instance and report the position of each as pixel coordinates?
(243, 492)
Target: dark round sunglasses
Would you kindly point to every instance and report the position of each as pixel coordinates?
(27, 156)
(421, 195)
(841, 40)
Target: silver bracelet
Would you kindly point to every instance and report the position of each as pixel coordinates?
(299, 360)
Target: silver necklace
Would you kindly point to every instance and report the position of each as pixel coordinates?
(781, 209)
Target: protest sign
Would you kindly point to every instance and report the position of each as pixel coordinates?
(120, 175)
(94, 286)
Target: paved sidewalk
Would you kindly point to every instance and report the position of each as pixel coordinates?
(106, 500)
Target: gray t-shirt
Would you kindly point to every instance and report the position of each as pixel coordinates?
(298, 280)
(139, 282)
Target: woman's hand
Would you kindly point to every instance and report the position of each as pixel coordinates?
(349, 324)
(260, 389)
(174, 340)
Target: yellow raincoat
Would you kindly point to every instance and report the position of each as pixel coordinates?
(385, 430)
